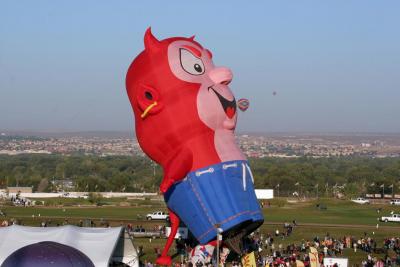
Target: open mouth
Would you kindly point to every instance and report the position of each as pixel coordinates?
(228, 106)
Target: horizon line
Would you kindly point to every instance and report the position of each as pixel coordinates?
(64, 131)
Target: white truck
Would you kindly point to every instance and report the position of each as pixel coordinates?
(391, 218)
(360, 200)
(395, 202)
(157, 215)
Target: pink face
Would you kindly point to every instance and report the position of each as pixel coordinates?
(216, 104)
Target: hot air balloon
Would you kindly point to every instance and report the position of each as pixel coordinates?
(185, 117)
(47, 254)
(243, 104)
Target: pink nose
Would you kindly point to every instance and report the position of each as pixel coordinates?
(221, 75)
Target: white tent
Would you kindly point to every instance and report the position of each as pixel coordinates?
(101, 245)
(264, 193)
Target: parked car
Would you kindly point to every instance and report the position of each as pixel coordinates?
(395, 202)
(157, 215)
(391, 218)
(360, 200)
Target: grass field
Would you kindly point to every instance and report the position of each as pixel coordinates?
(336, 212)
(338, 219)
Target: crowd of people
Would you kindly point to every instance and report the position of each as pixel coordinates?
(17, 200)
(49, 223)
(140, 229)
(269, 250)
(268, 253)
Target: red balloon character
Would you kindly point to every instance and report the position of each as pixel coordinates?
(185, 117)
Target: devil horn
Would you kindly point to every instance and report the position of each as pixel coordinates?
(150, 42)
(192, 37)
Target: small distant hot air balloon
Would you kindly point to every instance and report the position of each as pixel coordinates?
(274, 93)
(243, 104)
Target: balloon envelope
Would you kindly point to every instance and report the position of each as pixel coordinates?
(187, 126)
(243, 104)
(47, 254)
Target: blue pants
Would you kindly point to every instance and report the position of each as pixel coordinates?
(221, 194)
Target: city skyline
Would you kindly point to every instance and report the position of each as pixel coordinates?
(255, 146)
(334, 66)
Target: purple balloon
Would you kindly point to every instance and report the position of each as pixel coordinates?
(47, 254)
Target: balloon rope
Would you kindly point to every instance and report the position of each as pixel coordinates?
(146, 111)
(251, 174)
(244, 176)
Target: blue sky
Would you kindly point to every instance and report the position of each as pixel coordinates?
(335, 65)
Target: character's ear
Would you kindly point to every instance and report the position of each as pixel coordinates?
(151, 43)
(149, 100)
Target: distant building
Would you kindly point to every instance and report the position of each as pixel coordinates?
(63, 185)
(19, 189)
(365, 145)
